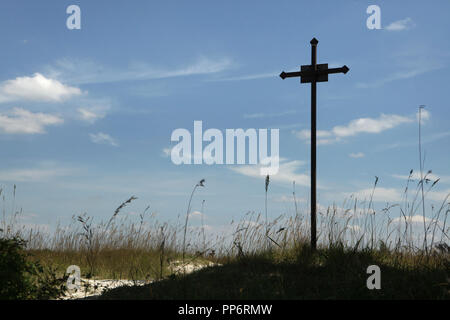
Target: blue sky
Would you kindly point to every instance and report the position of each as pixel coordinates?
(86, 115)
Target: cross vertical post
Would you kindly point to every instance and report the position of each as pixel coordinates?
(312, 74)
(313, 144)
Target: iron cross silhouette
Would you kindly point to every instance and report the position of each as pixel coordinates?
(313, 73)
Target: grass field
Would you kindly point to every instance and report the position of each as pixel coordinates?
(260, 259)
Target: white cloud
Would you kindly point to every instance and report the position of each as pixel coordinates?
(401, 25)
(287, 172)
(356, 155)
(369, 125)
(196, 215)
(355, 127)
(36, 88)
(21, 121)
(103, 138)
(90, 115)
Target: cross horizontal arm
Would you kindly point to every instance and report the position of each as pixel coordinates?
(284, 75)
(343, 69)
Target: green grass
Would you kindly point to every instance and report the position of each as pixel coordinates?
(131, 264)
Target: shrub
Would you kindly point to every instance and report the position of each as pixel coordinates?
(21, 278)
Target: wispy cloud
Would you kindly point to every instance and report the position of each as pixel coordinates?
(284, 198)
(404, 74)
(405, 63)
(288, 172)
(394, 195)
(88, 72)
(166, 152)
(357, 126)
(356, 155)
(438, 195)
(249, 77)
(380, 194)
(103, 138)
(38, 174)
(36, 88)
(91, 115)
(21, 121)
(401, 25)
(416, 176)
(425, 140)
(268, 115)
